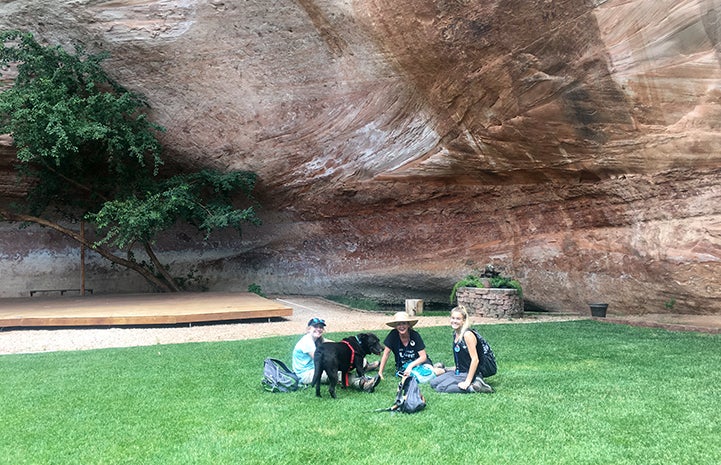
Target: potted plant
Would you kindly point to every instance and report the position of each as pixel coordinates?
(469, 281)
(488, 293)
(598, 310)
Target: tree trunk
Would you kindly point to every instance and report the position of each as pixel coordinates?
(161, 269)
(82, 258)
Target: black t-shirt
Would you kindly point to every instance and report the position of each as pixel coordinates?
(404, 354)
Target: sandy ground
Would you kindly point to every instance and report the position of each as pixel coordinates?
(339, 319)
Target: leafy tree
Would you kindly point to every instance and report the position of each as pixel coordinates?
(91, 154)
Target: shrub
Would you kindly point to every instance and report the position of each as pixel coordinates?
(255, 289)
(495, 280)
(503, 282)
(468, 281)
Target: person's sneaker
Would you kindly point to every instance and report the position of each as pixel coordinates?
(479, 385)
(373, 366)
(439, 365)
(369, 384)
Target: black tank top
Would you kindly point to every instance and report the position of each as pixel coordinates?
(461, 355)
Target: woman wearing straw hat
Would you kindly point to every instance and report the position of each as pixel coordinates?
(409, 350)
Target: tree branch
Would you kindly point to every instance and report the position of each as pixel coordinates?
(147, 274)
(72, 182)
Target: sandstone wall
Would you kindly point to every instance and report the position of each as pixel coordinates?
(402, 144)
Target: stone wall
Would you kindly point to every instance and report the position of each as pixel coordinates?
(491, 302)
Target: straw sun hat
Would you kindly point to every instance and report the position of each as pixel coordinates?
(401, 317)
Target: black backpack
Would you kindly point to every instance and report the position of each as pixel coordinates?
(409, 398)
(278, 378)
(487, 361)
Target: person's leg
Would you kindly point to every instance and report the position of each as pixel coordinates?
(479, 385)
(439, 383)
(363, 383)
(452, 385)
(448, 383)
(370, 366)
(435, 382)
(307, 377)
(439, 368)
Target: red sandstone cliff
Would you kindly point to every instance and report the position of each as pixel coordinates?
(401, 144)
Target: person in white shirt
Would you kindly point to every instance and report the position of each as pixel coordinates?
(304, 364)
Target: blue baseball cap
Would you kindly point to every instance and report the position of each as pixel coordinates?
(316, 322)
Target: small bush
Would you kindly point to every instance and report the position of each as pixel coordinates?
(255, 289)
(503, 282)
(494, 278)
(468, 281)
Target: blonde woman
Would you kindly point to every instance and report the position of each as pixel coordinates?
(473, 357)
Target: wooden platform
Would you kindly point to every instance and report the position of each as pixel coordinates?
(137, 309)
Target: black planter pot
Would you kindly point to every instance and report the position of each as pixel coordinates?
(598, 310)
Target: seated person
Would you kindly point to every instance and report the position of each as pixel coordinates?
(408, 348)
(473, 357)
(304, 364)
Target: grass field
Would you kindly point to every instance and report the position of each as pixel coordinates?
(581, 392)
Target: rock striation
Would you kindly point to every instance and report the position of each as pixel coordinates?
(402, 144)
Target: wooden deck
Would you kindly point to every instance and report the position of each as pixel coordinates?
(137, 309)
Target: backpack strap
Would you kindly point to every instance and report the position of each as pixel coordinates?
(282, 365)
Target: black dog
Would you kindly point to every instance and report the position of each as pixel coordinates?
(343, 356)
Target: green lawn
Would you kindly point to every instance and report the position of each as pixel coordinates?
(582, 392)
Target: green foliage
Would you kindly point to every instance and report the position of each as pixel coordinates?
(503, 282)
(255, 289)
(83, 137)
(468, 281)
(495, 280)
(92, 153)
(192, 281)
(669, 304)
(570, 393)
(201, 199)
(360, 303)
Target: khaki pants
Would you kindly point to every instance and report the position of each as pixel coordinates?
(307, 378)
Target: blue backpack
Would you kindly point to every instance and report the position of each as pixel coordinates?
(278, 378)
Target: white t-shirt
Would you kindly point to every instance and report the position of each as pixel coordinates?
(302, 360)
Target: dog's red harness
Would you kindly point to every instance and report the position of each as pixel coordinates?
(352, 357)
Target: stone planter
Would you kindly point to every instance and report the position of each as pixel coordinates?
(491, 302)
